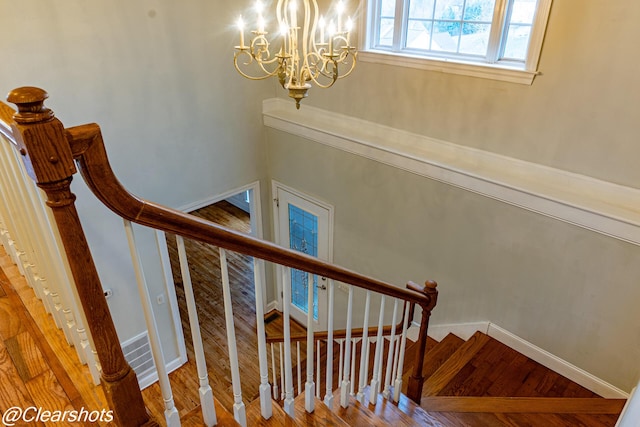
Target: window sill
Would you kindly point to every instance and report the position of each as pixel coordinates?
(447, 65)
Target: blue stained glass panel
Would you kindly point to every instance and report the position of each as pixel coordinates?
(303, 237)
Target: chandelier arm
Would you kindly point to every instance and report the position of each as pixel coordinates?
(353, 65)
(266, 76)
(332, 76)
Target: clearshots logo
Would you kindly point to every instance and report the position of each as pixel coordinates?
(33, 414)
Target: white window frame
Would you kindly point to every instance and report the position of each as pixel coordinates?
(510, 71)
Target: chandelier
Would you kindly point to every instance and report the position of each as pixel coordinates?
(308, 48)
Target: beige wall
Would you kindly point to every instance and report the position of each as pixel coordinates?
(157, 75)
(580, 114)
(570, 291)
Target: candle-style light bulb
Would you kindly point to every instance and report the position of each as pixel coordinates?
(340, 11)
(331, 30)
(260, 24)
(349, 28)
(321, 24)
(259, 7)
(241, 28)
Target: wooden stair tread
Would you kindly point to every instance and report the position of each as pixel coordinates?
(224, 417)
(404, 413)
(278, 417)
(461, 419)
(450, 368)
(438, 354)
(321, 416)
(557, 405)
(356, 414)
(384, 413)
(417, 413)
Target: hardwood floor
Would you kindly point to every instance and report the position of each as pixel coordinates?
(37, 367)
(204, 267)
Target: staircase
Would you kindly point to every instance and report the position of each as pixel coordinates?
(478, 382)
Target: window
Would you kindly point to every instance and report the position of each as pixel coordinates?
(498, 39)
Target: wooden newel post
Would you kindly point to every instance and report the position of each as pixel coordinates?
(49, 161)
(416, 380)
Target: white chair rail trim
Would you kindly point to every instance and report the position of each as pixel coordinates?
(596, 205)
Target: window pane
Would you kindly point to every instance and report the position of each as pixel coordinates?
(479, 10)
(421, 9)
(475, 39)
(388, 8)
(386, 32)
(449, 9)
(445, 36)
(419, 35)
(523, 11)
(517, 42)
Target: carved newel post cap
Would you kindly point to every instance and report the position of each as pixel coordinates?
(30, 103)
(430, 284)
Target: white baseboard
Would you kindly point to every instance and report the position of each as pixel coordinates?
(462, 330)
(273, 305)
(572, 372)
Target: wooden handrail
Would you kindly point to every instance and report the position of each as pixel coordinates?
(88, 149)
(52, 168)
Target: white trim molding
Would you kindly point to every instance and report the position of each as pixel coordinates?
(533, 352)
(556, 364)
(596, 205)
(451, 66)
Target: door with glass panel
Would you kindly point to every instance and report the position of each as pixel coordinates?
(303, 224)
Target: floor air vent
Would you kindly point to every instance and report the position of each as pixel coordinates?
(137, 352)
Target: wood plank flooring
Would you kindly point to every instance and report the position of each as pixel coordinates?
(204, 268)
(37, 367)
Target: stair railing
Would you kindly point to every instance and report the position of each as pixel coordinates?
(49, 150)
(376, 381)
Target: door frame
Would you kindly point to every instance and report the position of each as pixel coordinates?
(275, 185)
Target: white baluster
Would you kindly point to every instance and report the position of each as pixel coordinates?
(265, 399)
(354, 344)
(364, 366)
(341, 364)
(299, 367)
(346, 384)
(239, 410)
(328, 397)
(375, 382)
(309, 387)
(288, 372)
(281, 373)
(170, 412)
(273, 373)
(206, 394)
(318, 369)
(397, 386)
(387, 378)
